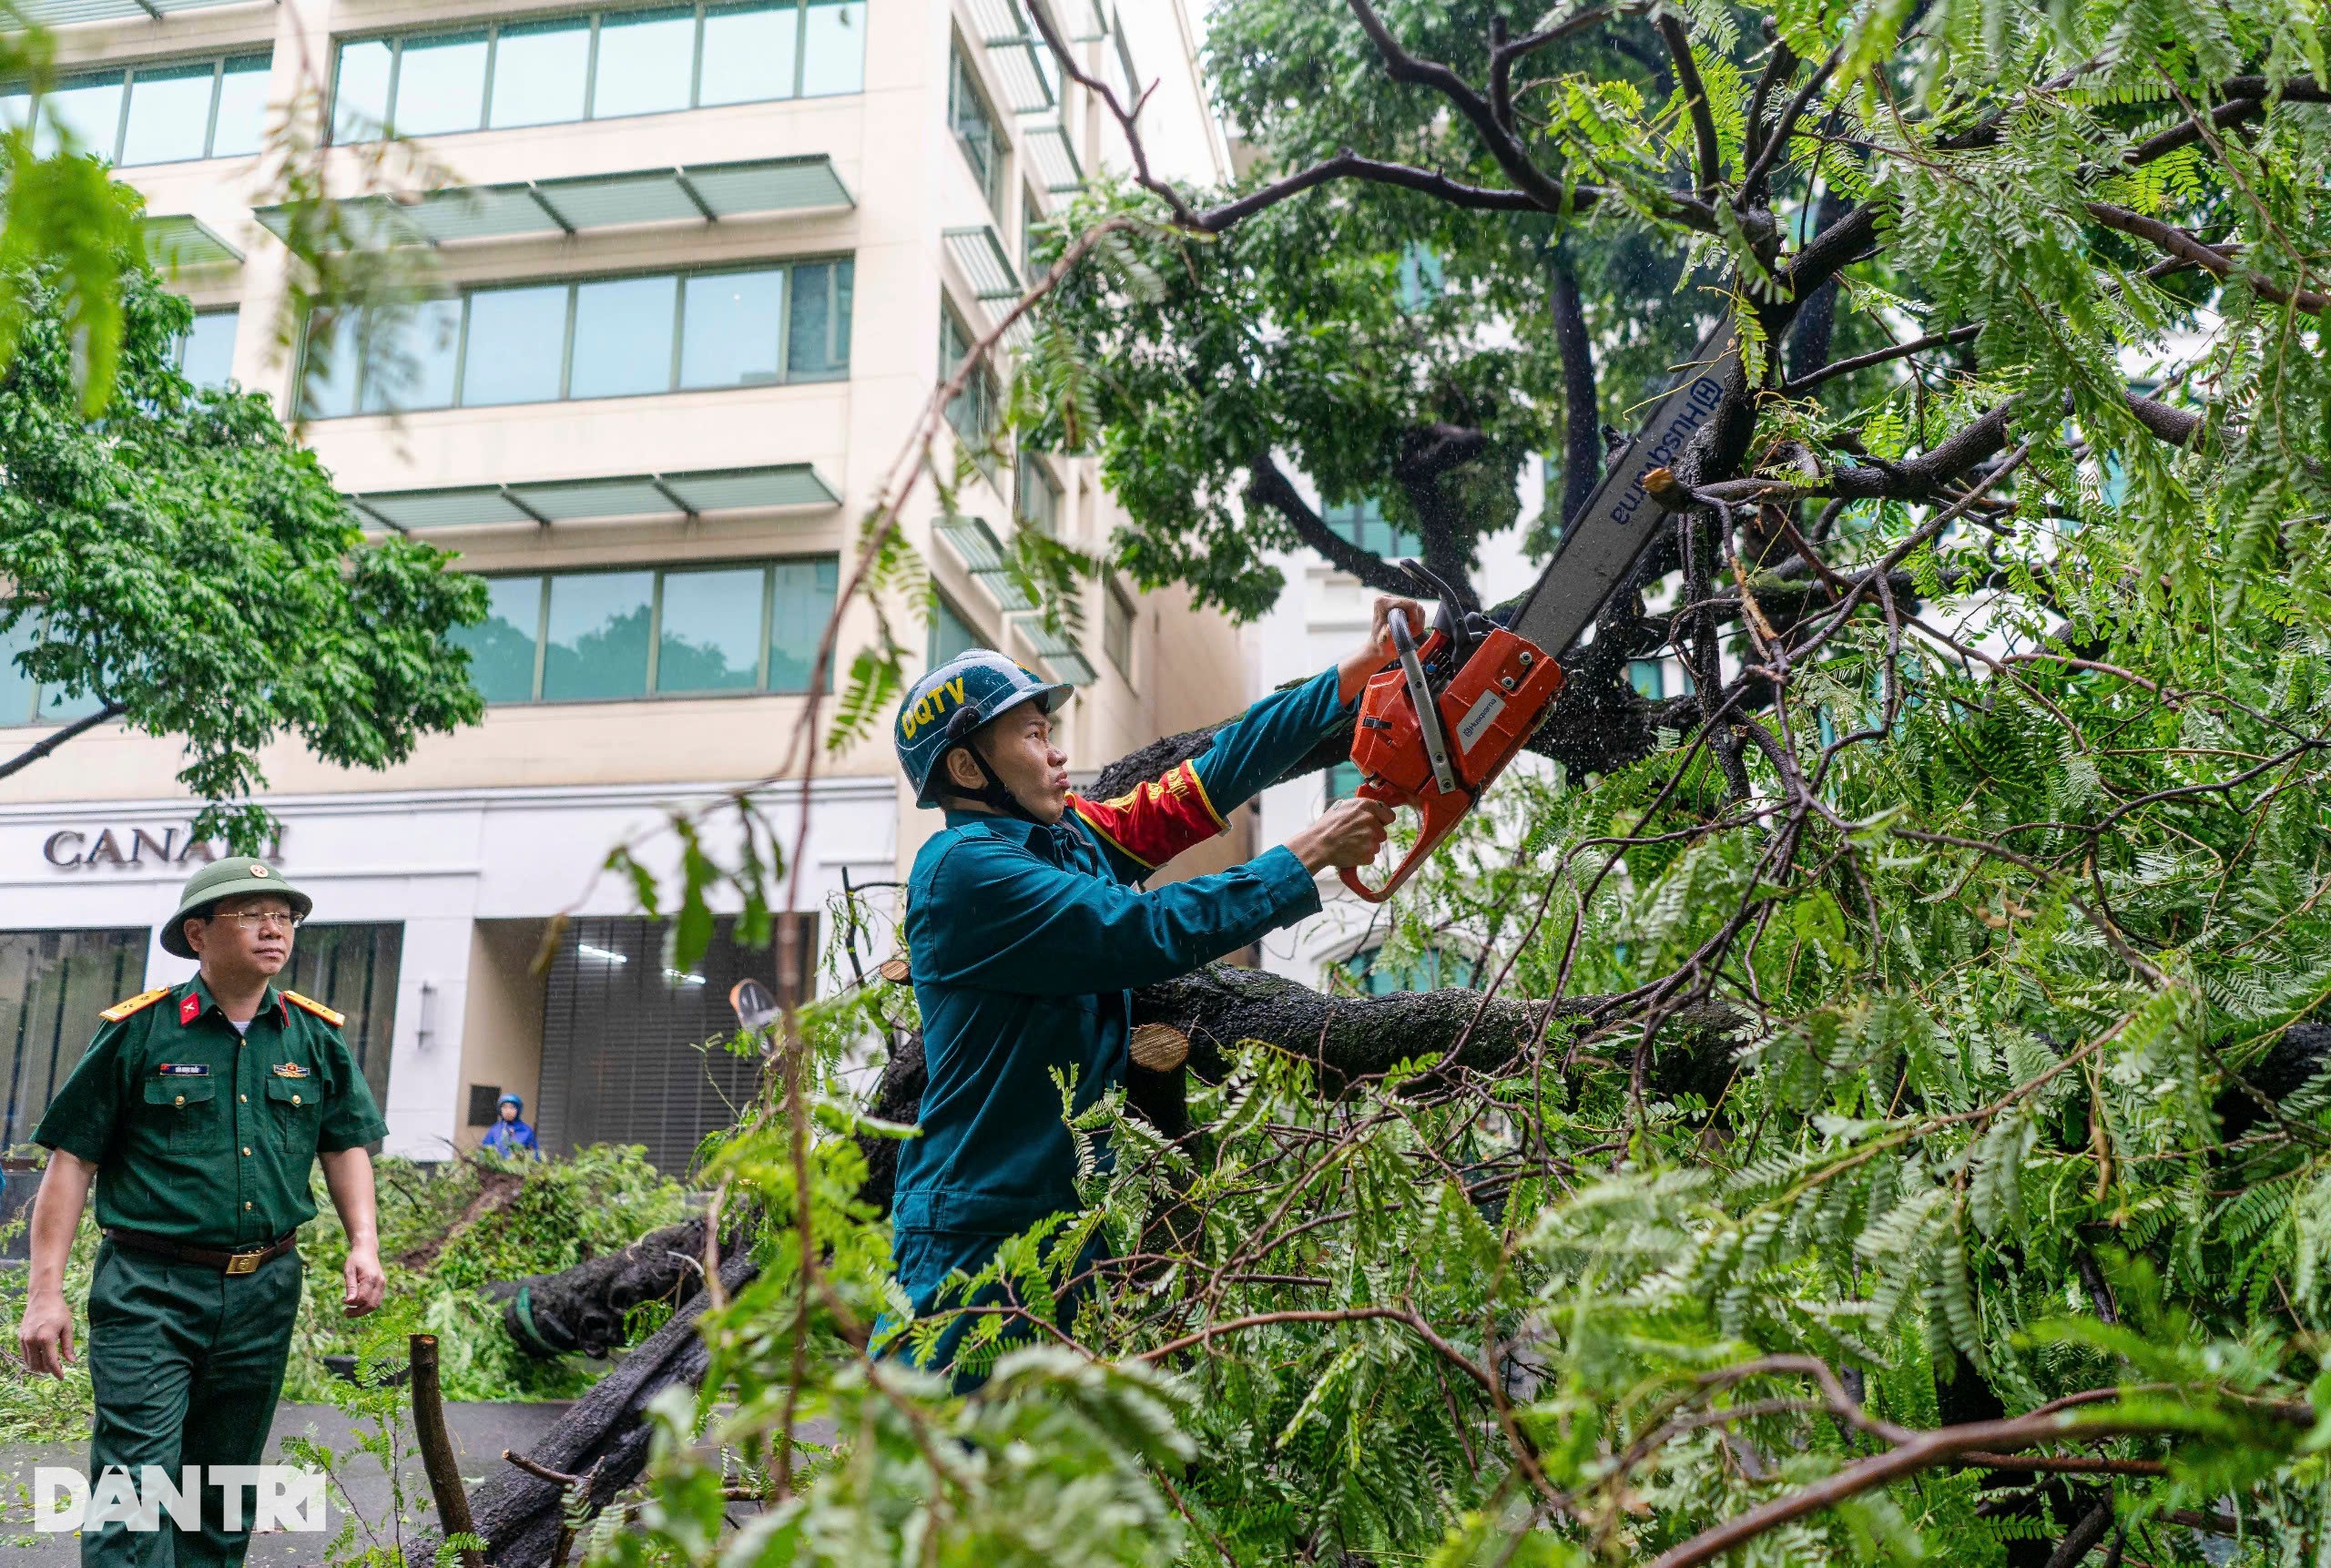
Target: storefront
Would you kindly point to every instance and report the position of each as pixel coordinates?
(432, 912)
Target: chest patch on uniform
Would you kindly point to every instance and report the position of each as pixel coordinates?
(191, 1009)
(184, 1069)
(289, 1070)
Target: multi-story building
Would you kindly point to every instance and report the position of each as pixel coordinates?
(694, 273)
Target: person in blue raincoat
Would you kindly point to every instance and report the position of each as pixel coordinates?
(509, 1134)
(1026, 927)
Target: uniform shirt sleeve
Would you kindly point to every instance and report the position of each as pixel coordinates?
(1033, 928)
(81, 1117)
(1190, 804)
(352, 1117)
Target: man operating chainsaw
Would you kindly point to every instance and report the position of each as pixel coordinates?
(1026, 928)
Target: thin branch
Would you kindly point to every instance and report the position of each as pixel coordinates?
(1752, 182)
(1807, 382)
(1269, 484)
(1695, 99)
(40, 749)
(2186, 248)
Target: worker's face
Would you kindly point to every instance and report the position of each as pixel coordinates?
(245, 938)
(1019, 746)
(509, 1112)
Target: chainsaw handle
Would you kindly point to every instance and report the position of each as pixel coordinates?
(1439, 813)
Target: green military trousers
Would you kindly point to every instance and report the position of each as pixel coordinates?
(187, 1362)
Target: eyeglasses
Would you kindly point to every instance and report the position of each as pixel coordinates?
(260, 920)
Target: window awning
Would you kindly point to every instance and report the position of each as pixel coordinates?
(704, 193)
(1057, 651)
(975, 544)
(65, 12)
(644, 497)
(1055, 159)
(1022, 60)
(177, 239)
(981, 254)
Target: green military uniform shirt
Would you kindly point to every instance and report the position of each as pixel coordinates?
(204, 1136)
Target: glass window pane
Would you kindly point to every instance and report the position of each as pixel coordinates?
(819, 343)
(169, 115)
(833, 51)
(441, 85)
(501, 647)
(710, 635)
(517, 339)
(729, 329)
(90, 107)
(328, 379)
(623, 337)
(749, 52)
(803, 601)
(208, 357)
(360, 92)
(242, 108)
(539, 71)
(599, 636)
(16, 686)
(950, 634)
(408, 356)
(645, 61)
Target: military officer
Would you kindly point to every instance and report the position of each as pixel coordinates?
(199, 1111)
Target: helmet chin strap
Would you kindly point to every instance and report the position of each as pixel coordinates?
(993, 792)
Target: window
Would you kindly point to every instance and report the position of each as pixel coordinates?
(951, 633)
(975, 129)
(51, 984)
(168, 113)
(1364, 524)
(602, 66)
(1377, 976)
(1031, 224)
(207, 353)
(1648, 677)
(1420, 276)
(25, 701)
(353, 969)
(1039, 497)
(1117, 616)
(602, 337)
(972, 410)
(673, 631)
(1343, 780)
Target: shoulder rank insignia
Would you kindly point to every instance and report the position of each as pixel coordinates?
(310, 1005)
(121, 1010)
(289, 1070)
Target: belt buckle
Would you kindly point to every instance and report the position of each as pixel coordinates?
(242, 1263)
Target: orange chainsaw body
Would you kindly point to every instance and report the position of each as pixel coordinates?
(1493, 705)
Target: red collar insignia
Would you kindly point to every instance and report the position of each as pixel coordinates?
(191, 1009)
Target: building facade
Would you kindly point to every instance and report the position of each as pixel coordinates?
(693, 273)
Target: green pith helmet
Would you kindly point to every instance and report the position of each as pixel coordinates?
(222, 879)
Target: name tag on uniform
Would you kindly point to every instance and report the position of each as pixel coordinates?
(289, 1070)
(184, 1069)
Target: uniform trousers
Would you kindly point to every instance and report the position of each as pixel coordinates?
(187, 1362)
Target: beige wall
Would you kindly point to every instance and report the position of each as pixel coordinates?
(502, 1025)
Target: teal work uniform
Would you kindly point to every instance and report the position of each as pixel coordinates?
(1024, 940)
(205, 1137)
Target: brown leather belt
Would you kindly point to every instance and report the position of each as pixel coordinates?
(226, 1262)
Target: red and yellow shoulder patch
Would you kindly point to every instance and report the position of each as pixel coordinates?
(310, 1005)
(1157, 820)
(144, 999)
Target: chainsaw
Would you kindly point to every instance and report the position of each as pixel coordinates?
(1443, 718)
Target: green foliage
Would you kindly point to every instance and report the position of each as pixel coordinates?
(179, 557)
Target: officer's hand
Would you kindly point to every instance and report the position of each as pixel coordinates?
(1349, 834)
(46, 1335)
(364, 1281)
(1354, 668)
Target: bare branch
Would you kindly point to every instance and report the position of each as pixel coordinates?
(41, 748)
(1695, 99)
(1270, 486)
(1807, 382)
(2184, 247)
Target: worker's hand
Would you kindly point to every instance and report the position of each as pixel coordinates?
(1353, 670)
(1349, 834)
(46, 1335)
(364, 1282)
